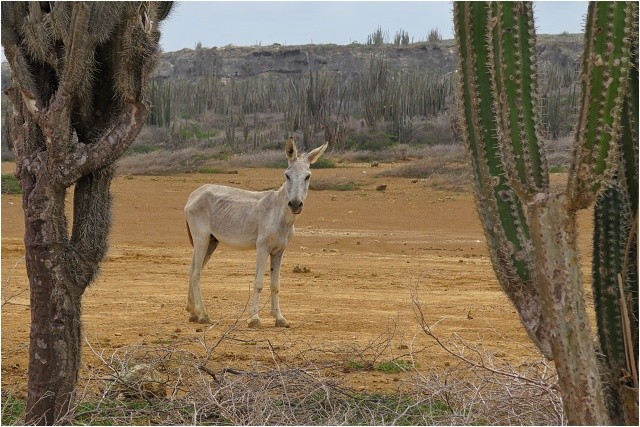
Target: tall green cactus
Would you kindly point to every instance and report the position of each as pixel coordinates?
(615, 258)
(531, 230)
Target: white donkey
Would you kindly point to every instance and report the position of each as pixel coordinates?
(247, 219)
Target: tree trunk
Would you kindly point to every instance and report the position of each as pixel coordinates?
(54, 351)
(80, 83)
(59, 271)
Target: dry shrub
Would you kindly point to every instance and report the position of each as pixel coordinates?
(559, 153)
(480, 390)
(154, 136)
(443, 167)
(263, 159)
(172, 385)
(163, 162)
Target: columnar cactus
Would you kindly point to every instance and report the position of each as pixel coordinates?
(531, 231)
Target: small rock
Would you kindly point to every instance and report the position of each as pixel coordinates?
(381, 187)
(413, 181)
(375, 164)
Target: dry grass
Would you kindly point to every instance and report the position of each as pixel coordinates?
(175, 385)
(262, 159)
(164, 162)
(444, 167)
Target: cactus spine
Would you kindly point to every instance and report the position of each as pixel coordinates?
(531, 231)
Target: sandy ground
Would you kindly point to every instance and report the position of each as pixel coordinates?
(367, 253)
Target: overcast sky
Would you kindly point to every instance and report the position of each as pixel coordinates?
(246, 23)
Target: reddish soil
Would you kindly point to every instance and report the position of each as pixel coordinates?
(367, 252)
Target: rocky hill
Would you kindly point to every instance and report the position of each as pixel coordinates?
(251, 61)
(230, 61)
(240, 61)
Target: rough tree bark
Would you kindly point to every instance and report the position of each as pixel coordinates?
(80, 74)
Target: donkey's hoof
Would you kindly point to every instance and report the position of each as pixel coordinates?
(199, 319)
(282, 323)
(254, 323)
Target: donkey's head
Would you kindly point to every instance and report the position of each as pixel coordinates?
(298, 174)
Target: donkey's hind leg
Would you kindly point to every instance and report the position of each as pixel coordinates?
(203, 247)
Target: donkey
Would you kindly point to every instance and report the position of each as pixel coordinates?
(246, 220)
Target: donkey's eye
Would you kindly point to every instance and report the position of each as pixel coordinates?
(306, 178)
(286, 175)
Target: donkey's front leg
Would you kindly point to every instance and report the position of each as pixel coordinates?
(276, 260)
(261, 263)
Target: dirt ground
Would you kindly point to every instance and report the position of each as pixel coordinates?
(367, 252)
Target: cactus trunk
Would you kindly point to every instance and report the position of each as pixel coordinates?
(615, 257)
(531, 232)
(501, 213)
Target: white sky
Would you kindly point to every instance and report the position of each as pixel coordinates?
(246, 23)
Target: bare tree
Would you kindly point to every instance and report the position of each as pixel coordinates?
(80, 80)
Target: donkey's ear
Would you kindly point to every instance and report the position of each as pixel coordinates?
(315, 154)
(290, 149)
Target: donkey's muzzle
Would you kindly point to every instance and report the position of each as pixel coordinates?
(296, 206)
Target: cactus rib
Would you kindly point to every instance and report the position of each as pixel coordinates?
(605, 68)
(517, 105)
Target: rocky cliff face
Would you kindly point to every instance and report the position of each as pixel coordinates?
(230, 61)
(239, 61)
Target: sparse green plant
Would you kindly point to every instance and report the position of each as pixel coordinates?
(140, 149)
(10, 184)
(334, 184)
(13, 409)
(394, 366)
(211, 171)
(324, 163)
